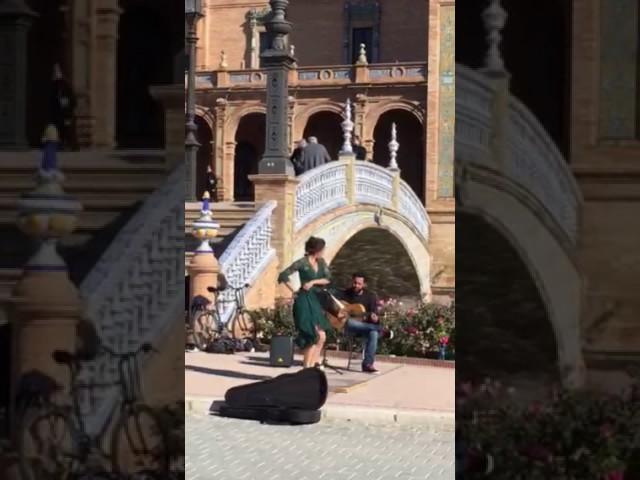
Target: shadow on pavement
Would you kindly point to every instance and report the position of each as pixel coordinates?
(226, 373)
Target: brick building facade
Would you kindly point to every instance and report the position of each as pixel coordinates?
(407, 79)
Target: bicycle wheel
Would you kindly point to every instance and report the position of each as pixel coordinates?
(203, 323)
(242, 326)
(45, 443)
(139, 443)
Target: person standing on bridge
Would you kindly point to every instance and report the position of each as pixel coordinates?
(296, 156)
(314, 155)
(308, 315)
(359, 151)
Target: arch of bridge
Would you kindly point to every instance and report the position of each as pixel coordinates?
(343, 223)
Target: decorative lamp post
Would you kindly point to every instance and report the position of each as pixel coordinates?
(347, 129)
(277, 61)
(494, 18)
(47, 303)
(393, 149)
(192, 13)
(204, 267)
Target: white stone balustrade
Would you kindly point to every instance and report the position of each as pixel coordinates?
(324, 189)
(373, 185)
(320, 190)
(534, 161)
(247, 255)
(531, 161)
(134, 294)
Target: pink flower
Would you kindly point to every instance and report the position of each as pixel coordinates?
(466, 388)
(411, 330)
(538, 453)
(381, 303)
(444, 341)
(614, 475)
(535, 408)
(411, 312)
(606, 430)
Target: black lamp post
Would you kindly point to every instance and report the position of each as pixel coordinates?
(277, 61)
(192, 13)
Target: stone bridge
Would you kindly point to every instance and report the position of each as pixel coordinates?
(510, 173)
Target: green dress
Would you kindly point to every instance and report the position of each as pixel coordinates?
(307, 310)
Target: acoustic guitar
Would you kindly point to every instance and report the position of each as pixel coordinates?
(340, 311)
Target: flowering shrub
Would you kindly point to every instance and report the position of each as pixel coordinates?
(574, 435)
(270, 322)
(418, 331)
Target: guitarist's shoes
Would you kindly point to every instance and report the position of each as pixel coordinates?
(370, 369)
(388, 333)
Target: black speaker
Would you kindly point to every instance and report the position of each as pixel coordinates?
(281, 353)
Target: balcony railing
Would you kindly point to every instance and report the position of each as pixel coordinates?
(382, 73)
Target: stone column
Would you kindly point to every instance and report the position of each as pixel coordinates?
(47, 305)
(204, 267)
(219, 155)
(278, 62)
(15, 21)
(282, 189)
(361, 105)
(105, 61)
(172, 99)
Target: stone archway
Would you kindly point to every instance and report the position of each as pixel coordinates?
(502, 322)
(379, 255)
(204, 136)
(326, 126)
(532, 234)
(46, 46)
(249, 148)
(341, 225)
(144, 38)
(410, 136)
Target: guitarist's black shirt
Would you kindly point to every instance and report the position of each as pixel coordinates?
(366, 298)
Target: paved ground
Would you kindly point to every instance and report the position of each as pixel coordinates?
(218, 448)
(398, 386)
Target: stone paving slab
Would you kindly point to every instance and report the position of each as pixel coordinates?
(219, 448)
(401, 394)
(211, 375)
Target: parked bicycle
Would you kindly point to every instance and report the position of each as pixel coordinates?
(206, 323)
(53, 441)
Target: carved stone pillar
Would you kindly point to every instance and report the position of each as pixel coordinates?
(104, 98)
(82, 30)
(15, 21)
(229, 171)
(361, 110)
(219, 149)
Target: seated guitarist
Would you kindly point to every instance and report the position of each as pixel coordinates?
(369, 325)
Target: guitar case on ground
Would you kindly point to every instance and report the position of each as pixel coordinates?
(294, 398)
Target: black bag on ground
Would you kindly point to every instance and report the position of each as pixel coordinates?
(292, 398)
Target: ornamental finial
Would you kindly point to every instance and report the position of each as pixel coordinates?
(223, 60)
(494, 18)
(362, 57)
(347, 129)
(393, 148)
